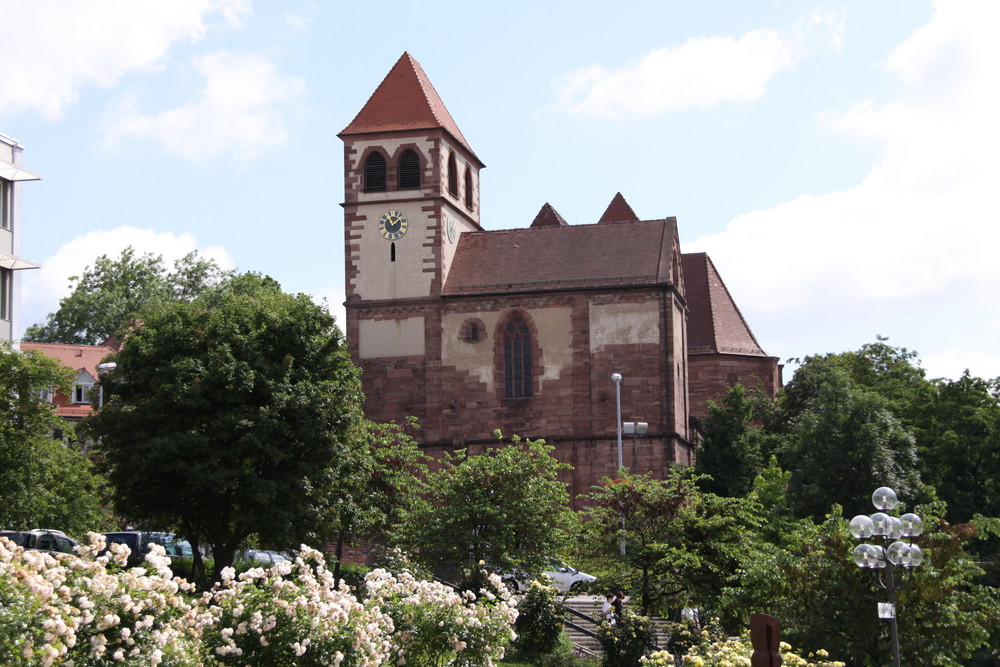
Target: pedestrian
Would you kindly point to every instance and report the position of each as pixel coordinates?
(689, 614)
(619, 604)
(607, 609)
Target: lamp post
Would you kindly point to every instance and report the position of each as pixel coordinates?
(635, 429)
(617, 379)
(884, 558)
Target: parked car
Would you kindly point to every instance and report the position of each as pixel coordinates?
(261, 556)
(138, 543)
(565, 578)
(41, 539)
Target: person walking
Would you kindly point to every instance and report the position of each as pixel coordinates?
(607, 609)
(619, 605)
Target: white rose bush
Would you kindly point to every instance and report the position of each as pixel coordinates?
(88, 610)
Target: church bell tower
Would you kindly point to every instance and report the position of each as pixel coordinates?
(411, 188)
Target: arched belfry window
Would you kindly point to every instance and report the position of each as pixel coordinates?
(517, 358)
(468, 189)
(452, 176)
(409, 170)
(375, 173)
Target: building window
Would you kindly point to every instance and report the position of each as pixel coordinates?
(6, 293)
(6, 203)
(409, 170)
(375, 173)
(517, 358)
(468, 189)
(44, 395)
(452, 176)
(473, 330)
(81, 392)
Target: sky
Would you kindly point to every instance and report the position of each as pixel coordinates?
(835, 159)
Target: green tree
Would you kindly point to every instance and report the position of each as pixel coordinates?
(733, 443)
(679, 541)
(230, 415)
(381, 481)
(43, 482)
(504, 507)
(843, 441)
(106, 297)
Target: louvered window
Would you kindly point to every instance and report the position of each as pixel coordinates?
(409, 170)
(452, 176)
(517, 359)
(468, 189)
(375, 173)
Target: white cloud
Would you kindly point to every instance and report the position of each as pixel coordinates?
(43, 288)
(239, 111)
(52, 49)
(920, 230)
(700, 74)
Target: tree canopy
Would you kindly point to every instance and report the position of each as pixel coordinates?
(230, 415)
(43, 482)
(505, 507)
(108, 294)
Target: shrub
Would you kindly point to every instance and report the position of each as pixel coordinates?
(539, 622)
(625, 641)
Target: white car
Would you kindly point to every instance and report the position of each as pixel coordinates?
(565, 578)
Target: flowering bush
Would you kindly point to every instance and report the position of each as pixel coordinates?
(435, 625)
(91, 610)
(625, 641)
(710, 647)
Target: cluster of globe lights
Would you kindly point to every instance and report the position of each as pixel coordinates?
(882, 525)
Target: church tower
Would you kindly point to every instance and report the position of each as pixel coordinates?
(411, 188)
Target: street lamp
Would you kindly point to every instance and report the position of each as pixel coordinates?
(885, 559)
(617, 379)
(635, 429)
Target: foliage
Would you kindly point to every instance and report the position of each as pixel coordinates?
(381, 477)
(94, 611)
(504, 507)
(229, 416)
(43, 483)
(712, 647)
(435, 625)
(823, 600)
(679, 540)
(539, 622)
(733, 446)
(843, 441)
(625, 641)
(108, 294)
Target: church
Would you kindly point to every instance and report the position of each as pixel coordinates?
(471, 330)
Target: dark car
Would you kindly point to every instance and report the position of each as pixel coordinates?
(41, 539)
(138, 543)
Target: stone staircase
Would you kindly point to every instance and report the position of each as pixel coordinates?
(590, 607)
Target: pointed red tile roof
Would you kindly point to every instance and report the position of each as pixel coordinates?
(715, 323)
(405, 100)
(549, 217)
(554, 258)
(618, 211)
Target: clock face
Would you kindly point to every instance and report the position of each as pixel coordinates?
(450, 228)
(392, 225)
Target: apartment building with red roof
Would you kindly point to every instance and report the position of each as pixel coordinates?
(84, 360)
(521, 329)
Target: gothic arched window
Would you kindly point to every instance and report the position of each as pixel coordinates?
(452, 176)
(517, 358)
(409, 170)
(375, 173)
